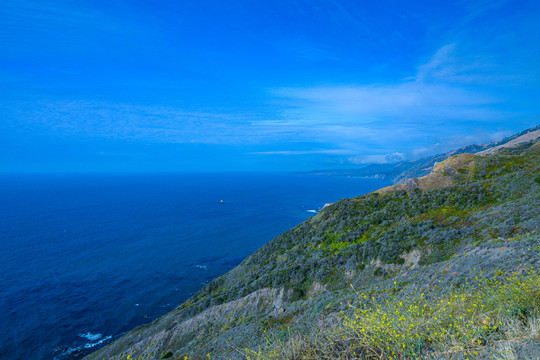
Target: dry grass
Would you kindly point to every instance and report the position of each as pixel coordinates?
(461, 321)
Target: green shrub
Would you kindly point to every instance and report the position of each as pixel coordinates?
(166, 355)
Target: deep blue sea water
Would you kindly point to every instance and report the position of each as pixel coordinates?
(85, 258)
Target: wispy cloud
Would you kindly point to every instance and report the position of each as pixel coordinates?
(305, 152)
(370, 123)
(155, 124)
(40, 18)
(478, 8)
(367, 103)
(373, 119)
(427, 95)
(334, 80)
(308, 50)
(456, 66)
(439, 66)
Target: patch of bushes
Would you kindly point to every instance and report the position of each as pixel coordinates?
(353, 232)
(461, 321)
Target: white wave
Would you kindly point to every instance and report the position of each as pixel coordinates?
(202, 267)
(90, 345)
(312, 211)
(90, 336)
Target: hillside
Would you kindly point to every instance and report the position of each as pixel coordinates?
(474, 217)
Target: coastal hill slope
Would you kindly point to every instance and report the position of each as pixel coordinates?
(474, 217)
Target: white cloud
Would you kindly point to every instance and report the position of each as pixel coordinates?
(373, 102)
(432, 93)
(440, 64)
(374, 119)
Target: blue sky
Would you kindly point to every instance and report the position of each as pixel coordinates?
(259, 85)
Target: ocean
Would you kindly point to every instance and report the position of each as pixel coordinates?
(85, 258)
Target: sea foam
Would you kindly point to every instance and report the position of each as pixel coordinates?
(90, 336)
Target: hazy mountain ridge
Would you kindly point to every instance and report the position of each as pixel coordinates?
(404, 170)
(470, 212)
